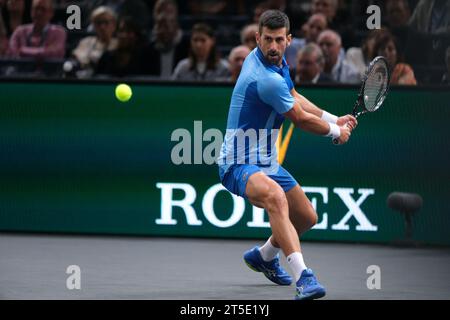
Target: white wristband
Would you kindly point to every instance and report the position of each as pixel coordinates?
(328, 117)
(335, 131)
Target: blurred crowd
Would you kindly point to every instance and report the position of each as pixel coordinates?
(209, 39)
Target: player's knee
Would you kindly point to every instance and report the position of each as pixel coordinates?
(308, 220)
(312, 219)
(276, 202)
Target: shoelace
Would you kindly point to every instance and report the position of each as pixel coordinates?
(275, 265)
(310, 280)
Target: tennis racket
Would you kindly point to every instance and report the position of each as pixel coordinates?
(374, 88)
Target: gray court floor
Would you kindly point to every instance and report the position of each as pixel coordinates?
(34, 267)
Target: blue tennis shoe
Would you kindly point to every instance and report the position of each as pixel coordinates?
(271, 269)
(308, 288)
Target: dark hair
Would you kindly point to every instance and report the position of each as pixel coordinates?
(129, 24)
(366, 46)
(274, 19)
(381, 40)
(213, 57)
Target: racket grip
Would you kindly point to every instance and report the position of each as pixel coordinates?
(335, 141)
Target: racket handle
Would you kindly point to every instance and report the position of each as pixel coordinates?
(335, 141)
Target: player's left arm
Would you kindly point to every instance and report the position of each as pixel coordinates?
(310, 107)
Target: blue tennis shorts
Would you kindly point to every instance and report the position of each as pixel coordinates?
(236, 178)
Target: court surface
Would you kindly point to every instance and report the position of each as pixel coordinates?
(34, 267)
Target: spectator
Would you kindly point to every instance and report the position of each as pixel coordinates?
(168, 45)
(203, 62)
(207, 7)
(131, 56)
(312, 28)
(315, 25)
(165, 7)
(236, 60)
(17, 13)
(90, 49)
(336, 66)
(397, 17)
(446, 76)
(291, 8)
(259, 9)
(40, 39)
(338, 19)
(401, 73)
(361, 57)
(431, 17)
(397, 13)
(430, 28)
(136, 9)
(310, 64)
(3, 38)
(326, 7)
(248, 35)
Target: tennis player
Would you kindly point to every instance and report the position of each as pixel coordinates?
(263, 97)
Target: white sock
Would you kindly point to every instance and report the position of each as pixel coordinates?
(296, 263)
(268, 251)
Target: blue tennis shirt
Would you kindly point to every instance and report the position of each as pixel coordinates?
(260, 98)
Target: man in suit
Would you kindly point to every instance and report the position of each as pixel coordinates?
(310, 64)
(168, 44)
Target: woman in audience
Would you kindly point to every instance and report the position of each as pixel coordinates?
(401, 73)
(90, 49)
(203, 62)
(130, 57)
(360, 57)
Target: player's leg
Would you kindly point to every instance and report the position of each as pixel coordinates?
(301, 212)
(303, 217)
(264, 192)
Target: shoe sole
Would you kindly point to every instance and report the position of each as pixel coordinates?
(314, 296)
(251, 267)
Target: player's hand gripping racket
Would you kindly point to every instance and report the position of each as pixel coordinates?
(374, 88)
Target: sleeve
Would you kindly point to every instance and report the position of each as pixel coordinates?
(406, 75)
(178, 70)
(275, 92)
(56, 44)
(15, 44)
(54, 47)
(81, 51)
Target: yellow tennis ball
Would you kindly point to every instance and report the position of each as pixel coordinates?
(123, 92)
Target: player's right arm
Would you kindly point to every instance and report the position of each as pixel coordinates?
(310, 107)
(274, 91)
(313, 124)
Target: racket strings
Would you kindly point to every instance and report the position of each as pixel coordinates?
(376, 86)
